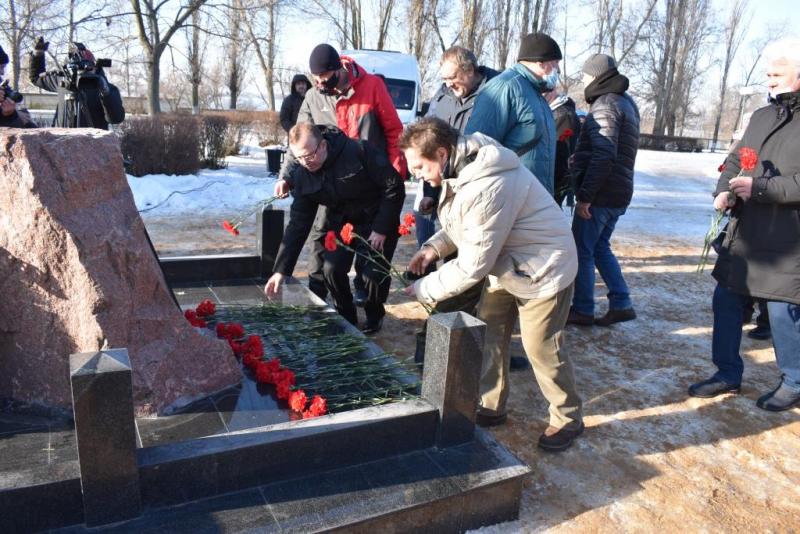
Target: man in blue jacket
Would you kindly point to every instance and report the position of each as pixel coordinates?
(512, 110)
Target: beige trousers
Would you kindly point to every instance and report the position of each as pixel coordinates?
(541, 323)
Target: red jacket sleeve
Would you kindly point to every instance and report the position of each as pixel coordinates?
(392, 127)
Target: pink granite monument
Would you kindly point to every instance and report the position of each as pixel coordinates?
(77, 274)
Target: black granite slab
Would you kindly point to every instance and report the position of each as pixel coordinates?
(197, 420)
(197, 269)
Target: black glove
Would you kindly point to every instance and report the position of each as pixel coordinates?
(40, 46)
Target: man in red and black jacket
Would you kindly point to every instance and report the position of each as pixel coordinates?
(348, 97)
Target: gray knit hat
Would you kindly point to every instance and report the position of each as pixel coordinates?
(599, 64)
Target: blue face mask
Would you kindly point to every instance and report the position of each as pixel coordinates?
(551, 80)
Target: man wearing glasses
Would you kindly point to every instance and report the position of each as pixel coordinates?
(357, 184)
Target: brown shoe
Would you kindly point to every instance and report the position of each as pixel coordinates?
(580, 319)
(486, 420)
(558, 439)
(616, 316)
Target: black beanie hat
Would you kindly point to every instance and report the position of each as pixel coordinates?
(324, 58)
(3, 57)
(538, 47)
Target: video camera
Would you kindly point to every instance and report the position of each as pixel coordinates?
(10, 93)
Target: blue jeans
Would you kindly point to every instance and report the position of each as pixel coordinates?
(727, 334)
(784, 320)
(426, 226)
(592, 238)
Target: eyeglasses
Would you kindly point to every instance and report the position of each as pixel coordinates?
(308, 157)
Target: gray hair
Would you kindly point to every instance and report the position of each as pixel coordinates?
(786, 50)
(462, 57)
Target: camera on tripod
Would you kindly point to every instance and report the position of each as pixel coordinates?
(79, 70)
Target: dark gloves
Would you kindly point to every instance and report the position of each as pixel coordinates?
(40, 46)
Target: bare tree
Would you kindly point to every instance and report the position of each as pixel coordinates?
(19, 22)
(195, 54)
(262, 31)
(734, 34)
(237, 49)
(385, 8)
(155, 35)
(503, 32)
(618, 31)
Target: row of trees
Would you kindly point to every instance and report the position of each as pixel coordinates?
(203, 52)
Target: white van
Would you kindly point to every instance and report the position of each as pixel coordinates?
(401, 73)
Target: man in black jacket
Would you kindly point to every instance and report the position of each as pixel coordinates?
(291, 104)
(602, 170)
(11, 115)
(358, 185)
(567, 129)
(85, 97)
(760, 255)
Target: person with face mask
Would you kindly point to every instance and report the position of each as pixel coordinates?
(358, 103)
(602, 176)
(760, 254)
(512, 110)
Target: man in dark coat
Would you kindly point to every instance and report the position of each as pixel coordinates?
(760, 255)
(291, 104)
(358, 185)
(85, 97)
(11, 115)
(567, 129)
(602, 171)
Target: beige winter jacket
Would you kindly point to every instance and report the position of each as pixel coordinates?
(503, 223)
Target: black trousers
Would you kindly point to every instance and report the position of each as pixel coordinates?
(377, 282)
(316, 257)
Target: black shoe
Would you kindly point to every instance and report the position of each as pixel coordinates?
(782, 398)
(712, 387)
(360, 297)
(616, 316)
(419, 353)
(486, 420)
(760, 332)
(372, 326)
(580, 319)
(518, 363)
(557, 439)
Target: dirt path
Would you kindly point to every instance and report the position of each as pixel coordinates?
(651, 459)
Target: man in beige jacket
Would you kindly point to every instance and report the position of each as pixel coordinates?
(506, 226)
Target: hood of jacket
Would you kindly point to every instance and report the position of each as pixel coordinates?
(300, 78)
(608, 82)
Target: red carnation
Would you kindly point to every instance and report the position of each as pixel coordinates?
(319, 406)
(251, 360)
(346, 233)
(190, 315)
(403, 230)
(409, 220)
(274, 365)
(283, 390)
(230, 227)
(566, 135)
(236, 347)
(748, 158)
(308, 414)
(297, 400)
(330, 241)
(254, 344)
(263, 373)
(235, 331)
(721, 168)
(222, 330)
(206, 308)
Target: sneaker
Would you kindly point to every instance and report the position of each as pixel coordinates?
(558, 439)
(519, 363)
(780, 399)
(486, 420)
(712, 388)
(760, 332)
(580, 319)
(616, 316)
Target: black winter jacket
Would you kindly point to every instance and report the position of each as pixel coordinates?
(291, 104)
(357, 184)
(760, 255)
(20, 119)
(97, 111)
(605, 154)
(568, 128)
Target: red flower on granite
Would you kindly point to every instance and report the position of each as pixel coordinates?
(330, 241)
(748, 158)
(403, 230)
(347, 233)
(283, 390)
(319, 406)
(721, 168)
(230, 227)
(274, 365)
(235, 331)
(205, 308)
(251, 360)
(566, 135)
(263, 373)
(193, 319)
(297, 400)
(254, 344)
(409, 220)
